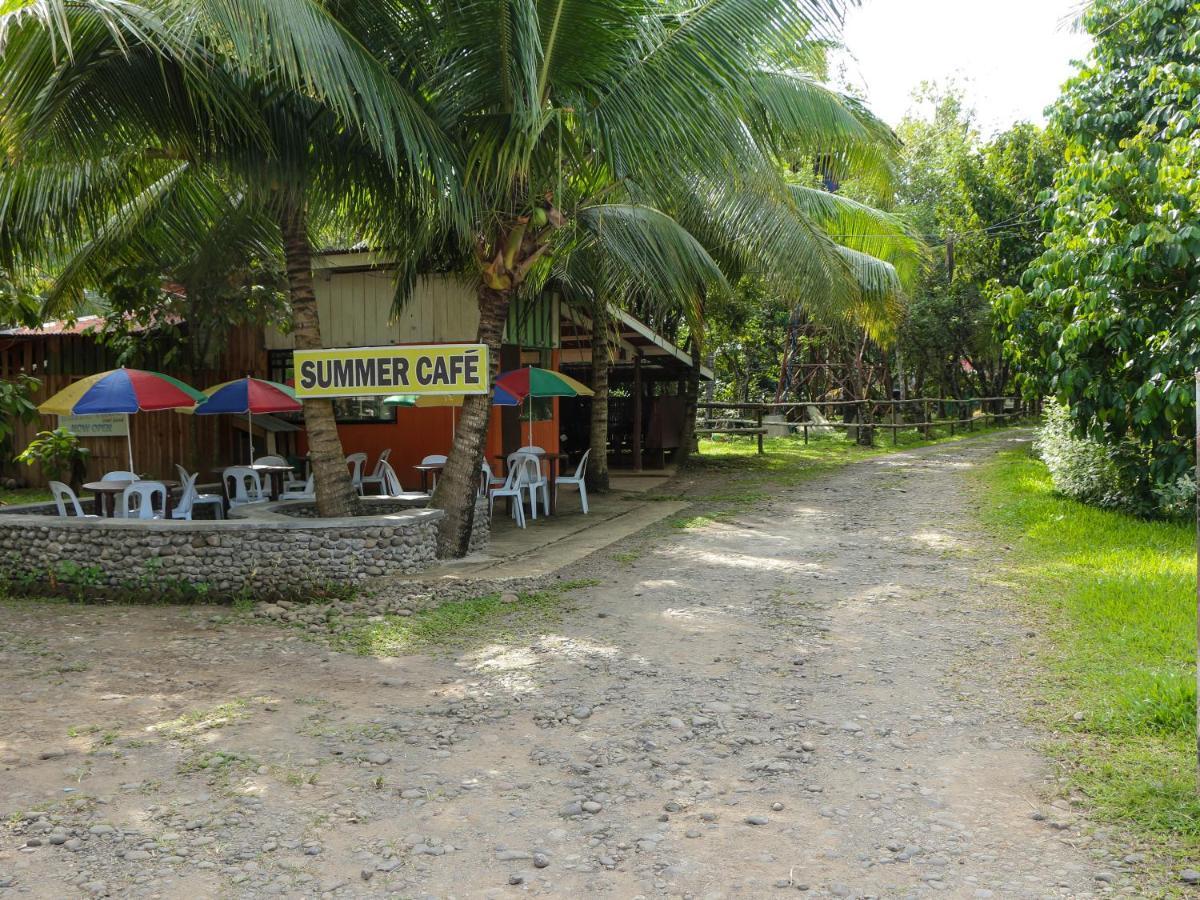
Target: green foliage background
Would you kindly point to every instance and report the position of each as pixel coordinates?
(1108, 317)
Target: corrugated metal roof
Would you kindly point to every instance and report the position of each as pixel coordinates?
(82, 325)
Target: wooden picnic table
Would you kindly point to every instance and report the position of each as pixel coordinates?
(552, 460)
(106, 492)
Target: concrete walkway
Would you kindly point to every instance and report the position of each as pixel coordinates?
(550, 543)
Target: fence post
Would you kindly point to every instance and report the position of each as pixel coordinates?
(760, 429)
(805, 423)
(1198, 583)
(895, 430)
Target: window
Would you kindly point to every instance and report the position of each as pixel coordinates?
(540, 408)
(346, 410)
(363, 411)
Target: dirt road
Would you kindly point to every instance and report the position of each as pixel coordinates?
(823, 695)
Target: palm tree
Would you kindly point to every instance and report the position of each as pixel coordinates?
(141, 122)
(555, 101)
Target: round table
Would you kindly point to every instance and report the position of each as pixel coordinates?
(275, 476)
(106, 494)
(552, 460)
(425, 469)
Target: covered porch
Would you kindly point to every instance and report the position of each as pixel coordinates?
(647, 385)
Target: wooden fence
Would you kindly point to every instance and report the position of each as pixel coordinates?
(921, 414)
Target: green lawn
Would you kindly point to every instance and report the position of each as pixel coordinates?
(1118, 596)
(24, 495)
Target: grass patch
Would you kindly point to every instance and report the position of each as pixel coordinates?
(1119, 598)
(25, 495)
(459, 623)
(197, 721)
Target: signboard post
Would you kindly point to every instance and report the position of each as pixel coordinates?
(402, 369)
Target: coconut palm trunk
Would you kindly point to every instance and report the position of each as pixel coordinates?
(687, 437)
(335, 494)
(455, 492)
(597, 473)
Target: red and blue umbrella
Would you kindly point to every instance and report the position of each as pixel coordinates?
(121, 391)
(519, 384)
(501, 397)
(247, 396)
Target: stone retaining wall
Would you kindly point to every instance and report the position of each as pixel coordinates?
(263, 550)
(481, 528)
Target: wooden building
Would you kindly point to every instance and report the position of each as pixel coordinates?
(355, 297)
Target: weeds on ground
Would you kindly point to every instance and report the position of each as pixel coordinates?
(198, 720)
(1118, 595)
(459, 623)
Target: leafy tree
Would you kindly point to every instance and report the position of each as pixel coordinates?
(979, 202)
(1109, 322)
(16, 406)
(143, 125)
(613, 124)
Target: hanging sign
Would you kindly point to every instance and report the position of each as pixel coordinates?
(96, 425)
(407, 369)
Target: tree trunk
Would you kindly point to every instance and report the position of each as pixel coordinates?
(687, 439)
(597, 472)
(335, 494)
(455, 493)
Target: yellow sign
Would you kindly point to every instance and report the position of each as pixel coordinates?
(404, 369)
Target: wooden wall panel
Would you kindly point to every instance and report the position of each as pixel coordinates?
(356, 311)
(160, 439)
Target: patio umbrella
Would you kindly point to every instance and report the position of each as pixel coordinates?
(121, 391)
(247, 396)
(534, 382)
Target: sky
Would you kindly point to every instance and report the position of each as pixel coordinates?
(1010, 56)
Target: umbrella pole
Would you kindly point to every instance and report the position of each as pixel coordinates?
(129, 443)
(250, 437)
(531, 420)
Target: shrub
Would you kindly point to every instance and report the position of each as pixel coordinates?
(59, 453)
(1084, 469)
(1176, 500)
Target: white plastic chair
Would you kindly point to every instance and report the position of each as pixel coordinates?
(434, 459)
(194, 498)
(531, 478)
(390, 481)
(247, 486)
(356, 461)
(514, 489)
(376, 476)
(270, 461)
(138, 500)
(307, 492)
(119, 475)
(488, 480)
(577, 479)
(63, 494)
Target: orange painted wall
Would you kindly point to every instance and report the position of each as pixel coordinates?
(418, 433)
